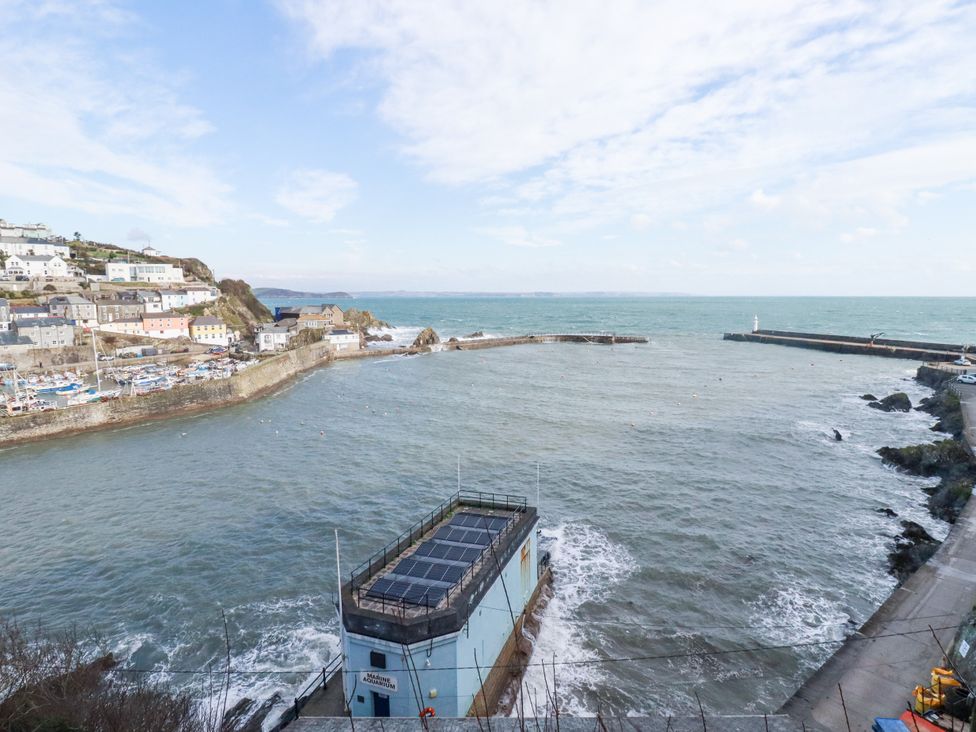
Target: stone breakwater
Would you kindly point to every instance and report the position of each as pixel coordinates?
(253, 383)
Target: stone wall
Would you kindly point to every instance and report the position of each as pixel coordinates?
(249, 384)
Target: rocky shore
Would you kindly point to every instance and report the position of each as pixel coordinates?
(949, 459)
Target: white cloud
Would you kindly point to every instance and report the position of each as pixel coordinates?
(92, 127)
(519, 236)
(317, 195)
(861, 232)
(597, 113)
(761, 199)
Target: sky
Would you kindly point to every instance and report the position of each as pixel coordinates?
(753, 147)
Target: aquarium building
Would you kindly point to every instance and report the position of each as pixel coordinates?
(431, 623)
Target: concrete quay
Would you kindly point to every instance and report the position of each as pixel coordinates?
(889, 348)
(878, 667)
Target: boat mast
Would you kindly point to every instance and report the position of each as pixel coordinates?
(98, 378)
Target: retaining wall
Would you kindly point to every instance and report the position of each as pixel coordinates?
(251, 383)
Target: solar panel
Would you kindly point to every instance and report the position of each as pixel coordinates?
(438, 564)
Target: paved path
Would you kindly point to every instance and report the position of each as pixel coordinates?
(877, 676)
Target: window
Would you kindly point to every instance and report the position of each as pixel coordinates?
(377, 659)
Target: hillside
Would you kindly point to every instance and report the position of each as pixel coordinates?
(238, 307)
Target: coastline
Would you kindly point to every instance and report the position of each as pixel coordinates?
(878, 666)
(256, 382)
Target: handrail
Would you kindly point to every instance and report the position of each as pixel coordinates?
(380, 559)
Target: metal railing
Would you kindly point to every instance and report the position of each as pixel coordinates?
(321, 679)
(473, 499)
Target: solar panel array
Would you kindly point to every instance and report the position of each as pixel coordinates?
(437, 565)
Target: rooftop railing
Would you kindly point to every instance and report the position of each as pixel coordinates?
(472, 499)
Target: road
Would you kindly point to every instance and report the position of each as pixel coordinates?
(894, 651)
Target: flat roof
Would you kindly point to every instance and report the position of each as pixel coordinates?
(428, 580)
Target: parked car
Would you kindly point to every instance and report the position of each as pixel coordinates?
(217, 349)
(22, 278)
(963, 361)
(105, 357)
(966, 379)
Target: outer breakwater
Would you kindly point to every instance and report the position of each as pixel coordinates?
(252, 383)
(915, 350)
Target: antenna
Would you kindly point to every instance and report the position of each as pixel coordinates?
(342, 644)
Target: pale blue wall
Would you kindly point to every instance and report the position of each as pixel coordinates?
(487, 630)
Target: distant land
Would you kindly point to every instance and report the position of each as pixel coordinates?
(280, 292)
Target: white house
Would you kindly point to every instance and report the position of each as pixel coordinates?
(139, 272)
(172, 299)
(126, 326)
(25, 231)
(151, 299)
(21, 247)
(275, 336)
(343, 340)
(199, 294)
(149, 251)
(35, 266)
(4, 314)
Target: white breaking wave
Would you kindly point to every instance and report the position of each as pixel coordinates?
(587, 566)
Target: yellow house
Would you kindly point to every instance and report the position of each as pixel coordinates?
(208, 329)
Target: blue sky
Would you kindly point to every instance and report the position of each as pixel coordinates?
(717, 148)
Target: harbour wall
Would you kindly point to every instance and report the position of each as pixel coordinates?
(252, 383)
(188, 399)
(914, 350)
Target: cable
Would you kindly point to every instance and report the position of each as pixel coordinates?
(583, 662)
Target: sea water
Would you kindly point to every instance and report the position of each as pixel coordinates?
(692, 494)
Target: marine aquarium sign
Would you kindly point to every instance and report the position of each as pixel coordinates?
(384, 682)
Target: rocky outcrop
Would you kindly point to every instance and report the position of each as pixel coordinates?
(476, 334)
(363, 321)
(869, 397)
(887, 512)
(427, 337)
(897, 402)
(248, 715)
(946, 459)
(913, 547)
(944, 405)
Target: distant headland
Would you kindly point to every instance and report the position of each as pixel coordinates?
(281, 292)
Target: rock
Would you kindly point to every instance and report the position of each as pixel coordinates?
(427, 337)
(887, 512)
(912, 549)
(452, 339)
(838, 436)
(869, 397)
(248, 716)
(476, 334)
(897, 402)
(946, 459)
(386, 338)
(944, 405)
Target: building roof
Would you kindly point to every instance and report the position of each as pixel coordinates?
(69, 300)
(126, 320)
(28, 309)
(341, 331)
(36, 257)
(207, 320)
(427, 582)
(167, 314)
(41, 322)
(3, 302)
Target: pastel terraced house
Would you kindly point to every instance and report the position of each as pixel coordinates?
(166, 325)
(209, 330)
